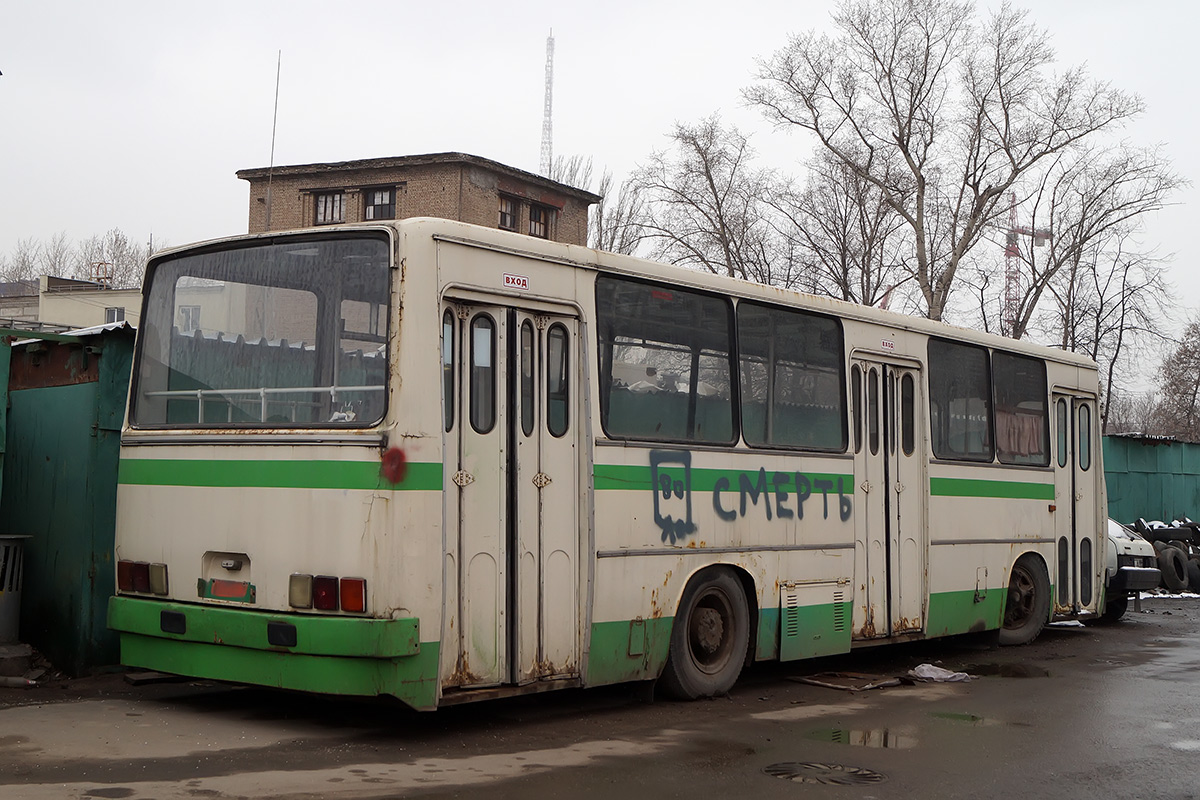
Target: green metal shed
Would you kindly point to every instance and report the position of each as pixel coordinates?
(65, 405)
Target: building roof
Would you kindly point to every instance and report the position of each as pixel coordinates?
(394, 162)
(23, 288)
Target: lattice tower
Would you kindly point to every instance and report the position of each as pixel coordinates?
(547, 124)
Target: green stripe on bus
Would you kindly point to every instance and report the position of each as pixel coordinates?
(1009, 490)
(618, 476)
(275, 474)
(952, 613)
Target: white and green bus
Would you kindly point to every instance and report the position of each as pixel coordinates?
(446, 463)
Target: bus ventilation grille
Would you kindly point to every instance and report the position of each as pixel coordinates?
(839, 612)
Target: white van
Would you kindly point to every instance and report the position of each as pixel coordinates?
(1131, 567)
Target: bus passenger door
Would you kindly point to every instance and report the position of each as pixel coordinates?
(889, 472)
(511, 586)
(1077, 527)
(474, 343)
(546, 495)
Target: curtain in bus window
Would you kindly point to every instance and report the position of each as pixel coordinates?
(960, 401)
(1022, 421)
(792, 378)
(665, 362)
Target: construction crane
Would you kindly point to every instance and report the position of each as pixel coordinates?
(1012, 264)
(547, 126)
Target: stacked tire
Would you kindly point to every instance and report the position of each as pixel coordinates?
(1179, 568)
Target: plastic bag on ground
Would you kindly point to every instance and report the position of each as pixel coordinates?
(928, 672)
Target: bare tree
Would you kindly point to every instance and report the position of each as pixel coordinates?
(850, 241)
(1132, 412)
(615, 223)
(575, 171)
(1178, 409)
(23, 262)
(943, 114)
(115, 255)
(1087, 200)
(1110, 304)
(705, 205)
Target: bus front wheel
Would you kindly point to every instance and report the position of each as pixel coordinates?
(709, 638)
(1028, 604)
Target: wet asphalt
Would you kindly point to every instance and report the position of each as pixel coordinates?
(1096, 712)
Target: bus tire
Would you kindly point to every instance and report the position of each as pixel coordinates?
(709, 638)
(1028, 605)
(1114, 608)
(1173, 565)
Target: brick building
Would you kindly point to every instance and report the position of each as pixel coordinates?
(448, 185)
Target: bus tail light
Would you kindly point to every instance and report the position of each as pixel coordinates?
(354, 595)
(142, 577)
(325, 593)
(158, 579)
(300, 591)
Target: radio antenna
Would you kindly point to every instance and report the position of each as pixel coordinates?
(274, 120)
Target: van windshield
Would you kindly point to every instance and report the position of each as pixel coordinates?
(285, 333)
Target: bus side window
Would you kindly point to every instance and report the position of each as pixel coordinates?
(1085, 437)
(558, 382)
(908, 438)
(483, 374)
(856, 405)
(873, 411)
(527, 378)
(448, 369)
(1062, 433)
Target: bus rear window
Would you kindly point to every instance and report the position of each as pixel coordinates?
(291, 333)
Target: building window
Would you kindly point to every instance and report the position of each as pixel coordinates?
(539, 221)
(114, 314)
(331, 208)
(189, 319)
(508, 213)
(379, 204)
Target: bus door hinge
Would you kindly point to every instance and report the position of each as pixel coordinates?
(463, 478)
(541, 480)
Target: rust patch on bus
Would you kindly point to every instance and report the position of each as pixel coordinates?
(655, 611)
(462, 674)
(868, 629)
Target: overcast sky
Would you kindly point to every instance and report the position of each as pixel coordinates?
(135, 115)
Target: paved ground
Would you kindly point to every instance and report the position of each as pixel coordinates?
(1084, 712)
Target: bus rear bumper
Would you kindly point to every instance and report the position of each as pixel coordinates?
(333, 655)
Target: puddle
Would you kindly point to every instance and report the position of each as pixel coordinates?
(877, 737)
(1007, 670)
(971, 719)
(830, 774)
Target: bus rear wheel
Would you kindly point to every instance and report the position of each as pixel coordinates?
(1028, 604)
(709, 638)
